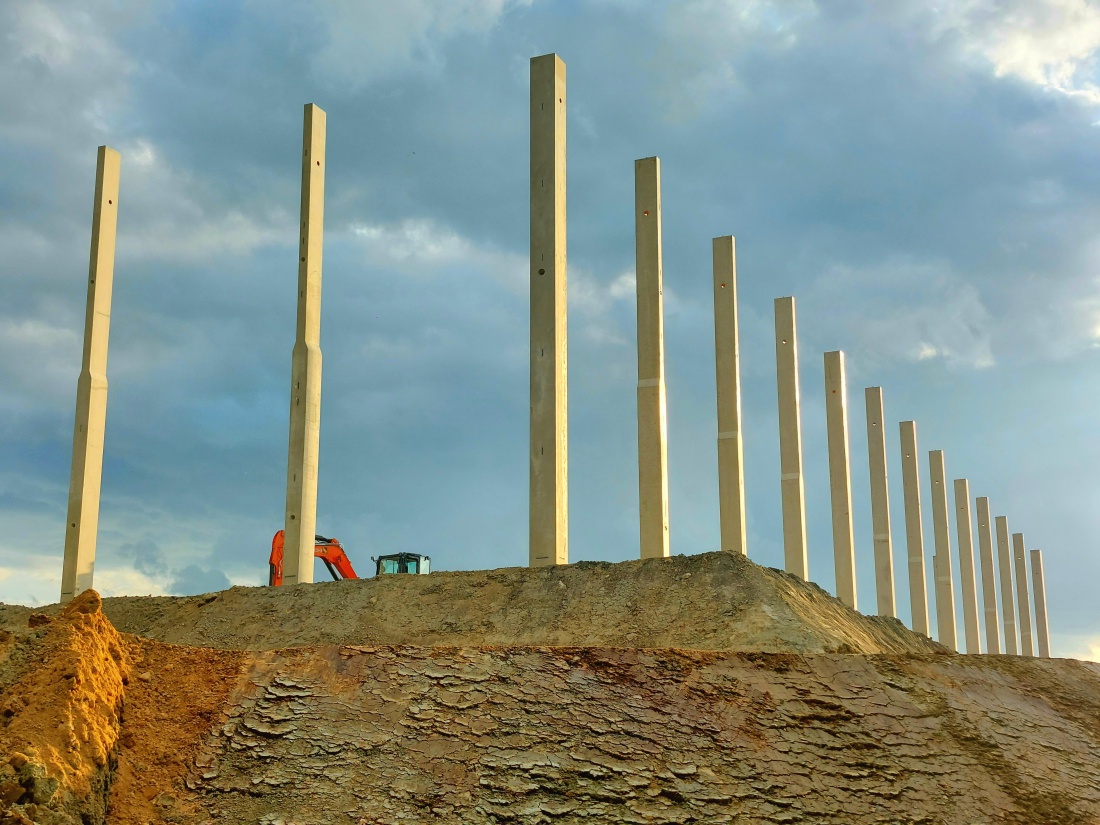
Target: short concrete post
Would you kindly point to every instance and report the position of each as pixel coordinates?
(549, 465)
(1008, 594)
(790, 441)
(840, 479)
(914, 529)
(305, 381)
(652, 428)
(964, 529)
(82, 518)
(880, 503)
(989, 578)
(1023, 605)
(941, 559)
(727, 362)
(1042, 631)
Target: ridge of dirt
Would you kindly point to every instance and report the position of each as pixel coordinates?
(159, 733)
(711, 601)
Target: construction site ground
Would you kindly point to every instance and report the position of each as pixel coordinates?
(685, 690)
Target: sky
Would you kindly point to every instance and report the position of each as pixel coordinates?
(923, 177)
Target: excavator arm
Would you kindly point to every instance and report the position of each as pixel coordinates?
(330, 551)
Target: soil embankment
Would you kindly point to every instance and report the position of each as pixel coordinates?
(711, 601)
(98, 726)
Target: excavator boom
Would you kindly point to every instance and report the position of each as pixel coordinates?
(330, 551)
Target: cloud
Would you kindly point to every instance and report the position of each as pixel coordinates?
(194, 579)
(1050, 43)
(65, 75)
(904, 310)
(1085, 648)
(363, 42)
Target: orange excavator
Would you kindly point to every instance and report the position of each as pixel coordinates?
(331, 552)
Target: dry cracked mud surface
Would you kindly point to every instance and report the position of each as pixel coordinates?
(102, 726)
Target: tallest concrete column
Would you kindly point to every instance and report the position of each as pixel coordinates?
(82, 522)
(305, 381)
(549, 507)
(652, 427)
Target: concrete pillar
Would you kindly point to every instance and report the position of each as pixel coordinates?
(1041, 628)
(652, 428)
(727, 362)
(964, 530)
(1023, 605)
(941, 559)
(790, 441)
(1008, 595)
(989, 578)
(914, 529)
(840, 479)
(305, 380)
(549, 490)
(880, 503)
(82, 519)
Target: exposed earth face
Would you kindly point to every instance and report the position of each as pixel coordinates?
(690, 689)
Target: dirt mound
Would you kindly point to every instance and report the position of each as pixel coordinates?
(60, 716)
(388, 734)
(712, 601)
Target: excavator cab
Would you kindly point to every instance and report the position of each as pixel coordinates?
(402, 563)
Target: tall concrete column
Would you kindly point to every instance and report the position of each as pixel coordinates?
(727, 362)
(880, 503)
(914, 529)
(790, 441)
(1008, 595)
(82, 519)
(305, 380)
(652, 428)
(1023, 605)
(964, 530)
(1042, 631)
(840, 478)
(941, 559)
(989, 578)
(549, 479)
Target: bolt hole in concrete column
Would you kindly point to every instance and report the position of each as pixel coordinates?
(784, 340)
(318, 163)
(292, 517)
(646, 213)
(109, 201)
(73, 524)
(542, 272)
(723, 286)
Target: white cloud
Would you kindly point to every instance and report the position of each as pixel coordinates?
(422, 248)
(167, 214)
(41, 360)
(1051, 43)
(907, 311)
(1085, 648)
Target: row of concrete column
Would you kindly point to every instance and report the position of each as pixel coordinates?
(82, 519)
(942, 574)
(549, 423)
